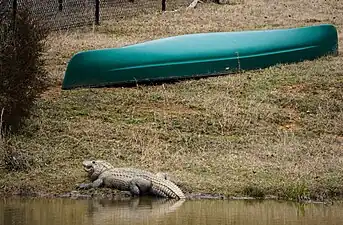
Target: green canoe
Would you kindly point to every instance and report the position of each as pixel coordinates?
(198, 55)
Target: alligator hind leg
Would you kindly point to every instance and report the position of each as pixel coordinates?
(140, 186)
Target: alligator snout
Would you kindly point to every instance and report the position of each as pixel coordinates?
(87, 165)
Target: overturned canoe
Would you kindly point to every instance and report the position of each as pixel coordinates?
(197, 55)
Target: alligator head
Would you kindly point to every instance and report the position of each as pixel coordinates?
(95, 167)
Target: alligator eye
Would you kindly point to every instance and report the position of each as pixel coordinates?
(93, 162)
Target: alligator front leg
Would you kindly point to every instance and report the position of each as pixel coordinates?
(140, 186)
(96, 184)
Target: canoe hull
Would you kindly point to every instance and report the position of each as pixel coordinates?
(197, 55)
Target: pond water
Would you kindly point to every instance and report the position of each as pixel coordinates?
(22, 211)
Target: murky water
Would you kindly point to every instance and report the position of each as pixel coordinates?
(19, 211)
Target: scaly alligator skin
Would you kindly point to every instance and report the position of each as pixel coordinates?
(137, 181)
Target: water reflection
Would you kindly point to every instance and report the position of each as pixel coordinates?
(135, 211)
(19, 211)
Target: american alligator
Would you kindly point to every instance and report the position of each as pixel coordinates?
(137, 181)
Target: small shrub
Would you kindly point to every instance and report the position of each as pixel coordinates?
(22, 74)
(13, 156)
(15, 159)
(254, 191)
(298, 191)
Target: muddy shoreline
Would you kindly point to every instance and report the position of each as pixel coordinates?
(120, 196)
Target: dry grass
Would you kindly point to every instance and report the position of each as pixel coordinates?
(277, 131)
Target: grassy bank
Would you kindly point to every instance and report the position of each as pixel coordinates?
(277, 131)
